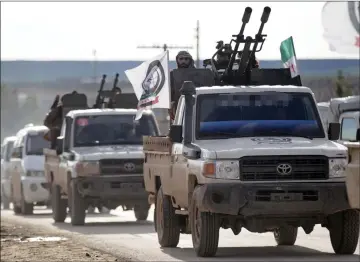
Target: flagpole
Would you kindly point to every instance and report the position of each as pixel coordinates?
(169, 86)
(293, 46)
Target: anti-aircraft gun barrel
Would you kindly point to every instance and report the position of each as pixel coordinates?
(240, 36)
(99, 99)
(116, 80)
(247, 56)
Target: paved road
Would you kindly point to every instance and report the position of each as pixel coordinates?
(120, 231)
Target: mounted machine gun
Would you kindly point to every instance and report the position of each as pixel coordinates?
(115, 97)
(239, 67)
(231, 65)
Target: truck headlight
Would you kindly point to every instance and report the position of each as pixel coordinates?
(337, 167)
(222, 169)
(87, 168)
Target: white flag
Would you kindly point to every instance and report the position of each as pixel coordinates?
(150, 81)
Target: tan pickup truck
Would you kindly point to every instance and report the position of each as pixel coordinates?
(353, 173)
(99, 162)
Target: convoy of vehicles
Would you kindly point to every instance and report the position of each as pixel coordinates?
(28, 184)
(248, 148)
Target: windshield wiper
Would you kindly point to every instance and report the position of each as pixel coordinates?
(211, 135)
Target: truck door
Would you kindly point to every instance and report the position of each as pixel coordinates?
(179, 166)
(64, 157)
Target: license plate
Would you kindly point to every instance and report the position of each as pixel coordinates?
(286, 197)
(131, 185)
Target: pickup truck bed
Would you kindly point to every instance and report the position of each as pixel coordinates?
(52, 161)
(353, 174)
(157, 162)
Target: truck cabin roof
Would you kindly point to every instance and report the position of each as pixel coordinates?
(262, 88)
(104, 111)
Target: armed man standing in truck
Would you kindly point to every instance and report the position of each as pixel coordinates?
(183, 60)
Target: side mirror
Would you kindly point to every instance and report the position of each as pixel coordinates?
(175, 133)
(20, 152)
(59, 145)
(358, 134)
(334, 131)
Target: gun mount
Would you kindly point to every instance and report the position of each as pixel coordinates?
(232, 66)
(115, 97)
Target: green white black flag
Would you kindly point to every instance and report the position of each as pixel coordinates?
(288, 56)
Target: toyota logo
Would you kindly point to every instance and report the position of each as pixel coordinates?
(129, 166)
(284, 169)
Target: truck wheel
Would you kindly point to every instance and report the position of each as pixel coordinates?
(58, 205)
(78, 208)
(141, 212)
(155, 217)
(26, 208)
(344, 231)
(167, 223)
(205, 229)
(6, 202)
(17, 209)
(286, 236)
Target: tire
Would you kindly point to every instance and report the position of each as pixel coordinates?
(168, 229)
(17, 209)
(344, 231)
(6, 202)
(58, 205)
(78, 208)
(141, 212)
(155, 217)
(205, 235)
(26, 208)
(286, 236)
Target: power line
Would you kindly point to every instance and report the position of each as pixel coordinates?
(165, 47)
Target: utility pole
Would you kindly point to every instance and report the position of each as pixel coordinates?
(197, 36)
(94, 64)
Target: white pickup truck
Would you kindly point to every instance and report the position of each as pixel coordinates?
(99, 162)
(6, 150)
(256, 157)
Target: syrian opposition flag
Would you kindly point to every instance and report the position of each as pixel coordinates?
(288, 56)
(150, 81)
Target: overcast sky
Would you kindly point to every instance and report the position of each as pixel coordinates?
(68, 30)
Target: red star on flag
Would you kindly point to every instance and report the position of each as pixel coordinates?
(292, 68)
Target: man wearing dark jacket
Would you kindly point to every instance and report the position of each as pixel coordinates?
(183, 60)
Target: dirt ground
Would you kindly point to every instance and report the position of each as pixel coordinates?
(27, 243)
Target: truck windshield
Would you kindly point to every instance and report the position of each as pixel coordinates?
(112, 130)
(257, 114)
(36, 143)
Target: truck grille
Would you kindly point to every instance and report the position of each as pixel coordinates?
(121, 166)
(265, 168)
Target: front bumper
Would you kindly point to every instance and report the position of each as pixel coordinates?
(281, 199)
(117, 187)
(35, 189)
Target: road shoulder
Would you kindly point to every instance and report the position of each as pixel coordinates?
(21, 241)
